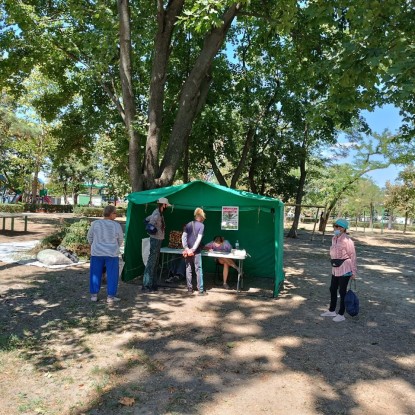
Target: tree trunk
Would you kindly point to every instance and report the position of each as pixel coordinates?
(298, 200)
(253, 166)
(324, 217)
(35, 185)
(300, 190)
(371, 209)
(166, 20)
(190, 100)
(65, 192)
(186, 177)
(134, 163)
(247, 146)
(216, 170)
(90, 192)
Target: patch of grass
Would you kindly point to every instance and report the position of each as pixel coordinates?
(139, 357)
(99, 386)
(69, 380)
(14, 342)
(176, 402)
(35, 405)
(96, 370)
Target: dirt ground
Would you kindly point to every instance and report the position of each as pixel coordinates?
(166, 353)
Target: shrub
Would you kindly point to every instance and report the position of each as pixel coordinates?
(94, 212)
(12, 207)
(75, 238)
(71, 236)
(34, 207)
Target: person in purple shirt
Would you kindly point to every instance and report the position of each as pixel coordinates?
(219, 244)
(191, 239)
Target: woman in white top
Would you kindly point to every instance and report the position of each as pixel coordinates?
(105, 237)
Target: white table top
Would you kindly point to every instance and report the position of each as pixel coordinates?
(212, 254)
(12, 215)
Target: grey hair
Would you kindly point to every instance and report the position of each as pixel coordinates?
(108, 210)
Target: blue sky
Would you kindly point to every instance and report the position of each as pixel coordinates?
(380, 119)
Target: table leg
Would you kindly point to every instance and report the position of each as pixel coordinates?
(25, 223)
(4, 224)
(161, 267)
(12, 224)
(240, 275)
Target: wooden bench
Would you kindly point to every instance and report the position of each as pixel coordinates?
(13, 216)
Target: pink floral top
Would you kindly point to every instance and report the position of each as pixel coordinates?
(342, 247)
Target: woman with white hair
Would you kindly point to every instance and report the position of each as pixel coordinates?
(191, 239)
(157, 220)
(105, 237)
(343, 260)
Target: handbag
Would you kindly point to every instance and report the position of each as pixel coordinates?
(150, 228)
(336, 262)
(351, 301)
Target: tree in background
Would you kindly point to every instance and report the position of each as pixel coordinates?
(400, 197)
(116, 66)
(25, 145)
(365, 198)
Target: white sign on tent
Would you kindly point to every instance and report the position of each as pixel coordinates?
(230, 218)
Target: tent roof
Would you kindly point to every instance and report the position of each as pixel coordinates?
(204, 194)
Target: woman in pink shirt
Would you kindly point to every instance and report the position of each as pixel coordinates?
(343, 252)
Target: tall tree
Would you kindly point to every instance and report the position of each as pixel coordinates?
(100, 51)
(401, 195)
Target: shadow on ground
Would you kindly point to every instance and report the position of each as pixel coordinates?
(227, 353)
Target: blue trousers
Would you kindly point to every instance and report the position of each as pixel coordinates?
(150, 273)
(95, 274)
(194, 266)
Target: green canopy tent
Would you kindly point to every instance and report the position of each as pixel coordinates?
(260, 230)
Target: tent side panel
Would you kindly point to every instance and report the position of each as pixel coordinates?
(279, 249)
(135, 232)
(256, 235)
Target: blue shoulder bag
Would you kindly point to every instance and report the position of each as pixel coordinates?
(351, 301)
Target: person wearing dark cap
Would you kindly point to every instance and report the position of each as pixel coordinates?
(343, 259)
(157, 220)
(191, 241)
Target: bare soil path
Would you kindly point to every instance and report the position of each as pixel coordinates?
(224, 354)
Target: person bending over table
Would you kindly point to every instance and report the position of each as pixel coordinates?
(219, 244)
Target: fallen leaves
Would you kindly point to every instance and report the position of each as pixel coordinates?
(126, 401)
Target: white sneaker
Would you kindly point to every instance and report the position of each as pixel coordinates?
(338, 318)
(94, 298)
(329, 314)
(113, 299)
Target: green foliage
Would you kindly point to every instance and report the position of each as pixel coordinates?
(53, 240)
(95, 211)
(400, 197)
(12, 208)
(72, 236)
(76, 234)
(47, 208)
(285, 67)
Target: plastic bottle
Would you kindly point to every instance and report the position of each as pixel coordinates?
(237, 244)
